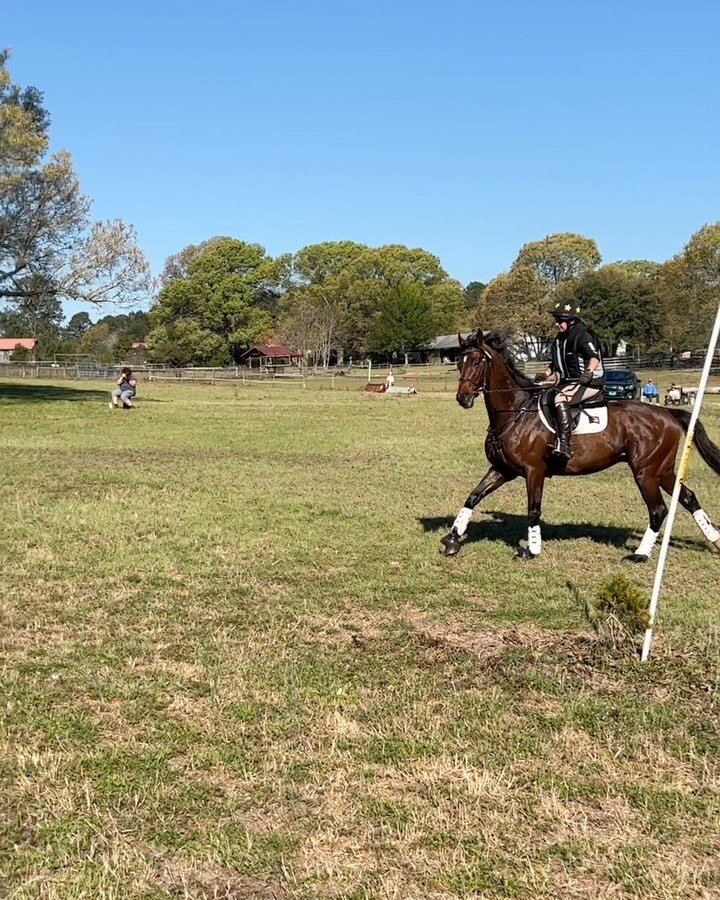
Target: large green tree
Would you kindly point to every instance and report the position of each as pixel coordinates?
(559, 257)
(213, 303)
(689, 285)
(77, 325)
(472, 292)
(343, 295)
(31, 316)
(314, 312)
(620, 304)
(516, 304)
(429, 301)
(37, 315)
(404, 319)
(48, 243)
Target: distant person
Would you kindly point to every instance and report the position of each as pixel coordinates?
(126, 389)
(389, 381)
(650, 392)
(674, 395)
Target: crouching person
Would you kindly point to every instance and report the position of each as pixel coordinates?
(125, 390)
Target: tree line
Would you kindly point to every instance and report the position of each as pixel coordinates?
(650, 307)
(347, 299)
(333, 299)
(330, 301)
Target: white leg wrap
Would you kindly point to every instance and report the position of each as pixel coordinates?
(706, 526)
(647, 543)
(460, 524)
(534, 540)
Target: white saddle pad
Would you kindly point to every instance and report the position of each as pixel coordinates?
(590, 421)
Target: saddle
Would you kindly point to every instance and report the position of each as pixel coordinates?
(589, 417)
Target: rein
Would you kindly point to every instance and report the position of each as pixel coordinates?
(528, 406)
(483, 389)
(496, 435)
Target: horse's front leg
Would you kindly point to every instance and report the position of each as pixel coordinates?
(534, 482)
(491, 481)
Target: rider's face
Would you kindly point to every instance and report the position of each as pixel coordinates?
(561, 325)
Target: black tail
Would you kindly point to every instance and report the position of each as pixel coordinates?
(710, 452)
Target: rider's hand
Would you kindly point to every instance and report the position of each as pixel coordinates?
(539, 378)
(586, 377)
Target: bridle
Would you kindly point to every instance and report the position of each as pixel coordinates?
(486, 357)
(529, 406)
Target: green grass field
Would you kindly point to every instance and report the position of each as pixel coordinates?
(235, 664)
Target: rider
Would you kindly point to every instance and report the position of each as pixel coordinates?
(575, 367)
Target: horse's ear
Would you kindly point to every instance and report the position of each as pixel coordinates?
(462, 343)
(479, 336)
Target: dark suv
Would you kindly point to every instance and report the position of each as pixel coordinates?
(621, 384)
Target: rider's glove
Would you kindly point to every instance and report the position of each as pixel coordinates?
(586, 377)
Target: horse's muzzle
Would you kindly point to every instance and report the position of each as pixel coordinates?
(465, 400)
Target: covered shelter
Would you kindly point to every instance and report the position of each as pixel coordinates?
(270, 356)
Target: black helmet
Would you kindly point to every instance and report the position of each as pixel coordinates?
(567, 312)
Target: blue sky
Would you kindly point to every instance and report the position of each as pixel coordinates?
(463, 128)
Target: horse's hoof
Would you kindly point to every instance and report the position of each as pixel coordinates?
(635, 557)
(524, 553)
(451, 545)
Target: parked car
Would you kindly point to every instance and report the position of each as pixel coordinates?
(622, 384)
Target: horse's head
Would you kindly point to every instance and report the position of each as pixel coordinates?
(473, 364)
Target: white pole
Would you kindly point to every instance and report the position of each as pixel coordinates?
(369, 369)
(687, 449)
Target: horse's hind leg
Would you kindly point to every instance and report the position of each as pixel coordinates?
(690, 502)
(491, 481)
(649, 486)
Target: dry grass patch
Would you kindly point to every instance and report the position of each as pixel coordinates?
(284, 690)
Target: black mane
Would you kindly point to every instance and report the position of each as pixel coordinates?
(496, 342)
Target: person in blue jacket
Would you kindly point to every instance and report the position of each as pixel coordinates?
(650, 392)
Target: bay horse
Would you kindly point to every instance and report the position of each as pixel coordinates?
(518, 443)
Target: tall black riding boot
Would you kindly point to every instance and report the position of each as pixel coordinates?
(562, 419)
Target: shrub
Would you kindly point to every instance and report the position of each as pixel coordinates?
(20, 354)
(619, 613)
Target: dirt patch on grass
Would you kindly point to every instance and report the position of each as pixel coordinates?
(188, 880)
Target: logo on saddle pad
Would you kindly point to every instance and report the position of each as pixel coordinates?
(585, 421)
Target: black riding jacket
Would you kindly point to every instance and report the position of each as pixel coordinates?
(572, 350)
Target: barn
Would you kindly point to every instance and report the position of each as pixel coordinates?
(8, 345)
(445, 348)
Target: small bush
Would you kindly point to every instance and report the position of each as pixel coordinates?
(619, 613)
(20, 354)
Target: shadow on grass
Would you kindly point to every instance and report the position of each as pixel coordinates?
(494, 525)
(44, 393)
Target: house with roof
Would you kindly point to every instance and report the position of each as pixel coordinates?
(8, 345)
(270, 355)
(445, 348)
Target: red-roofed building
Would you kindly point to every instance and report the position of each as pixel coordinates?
(270, 355)
(8, 345)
